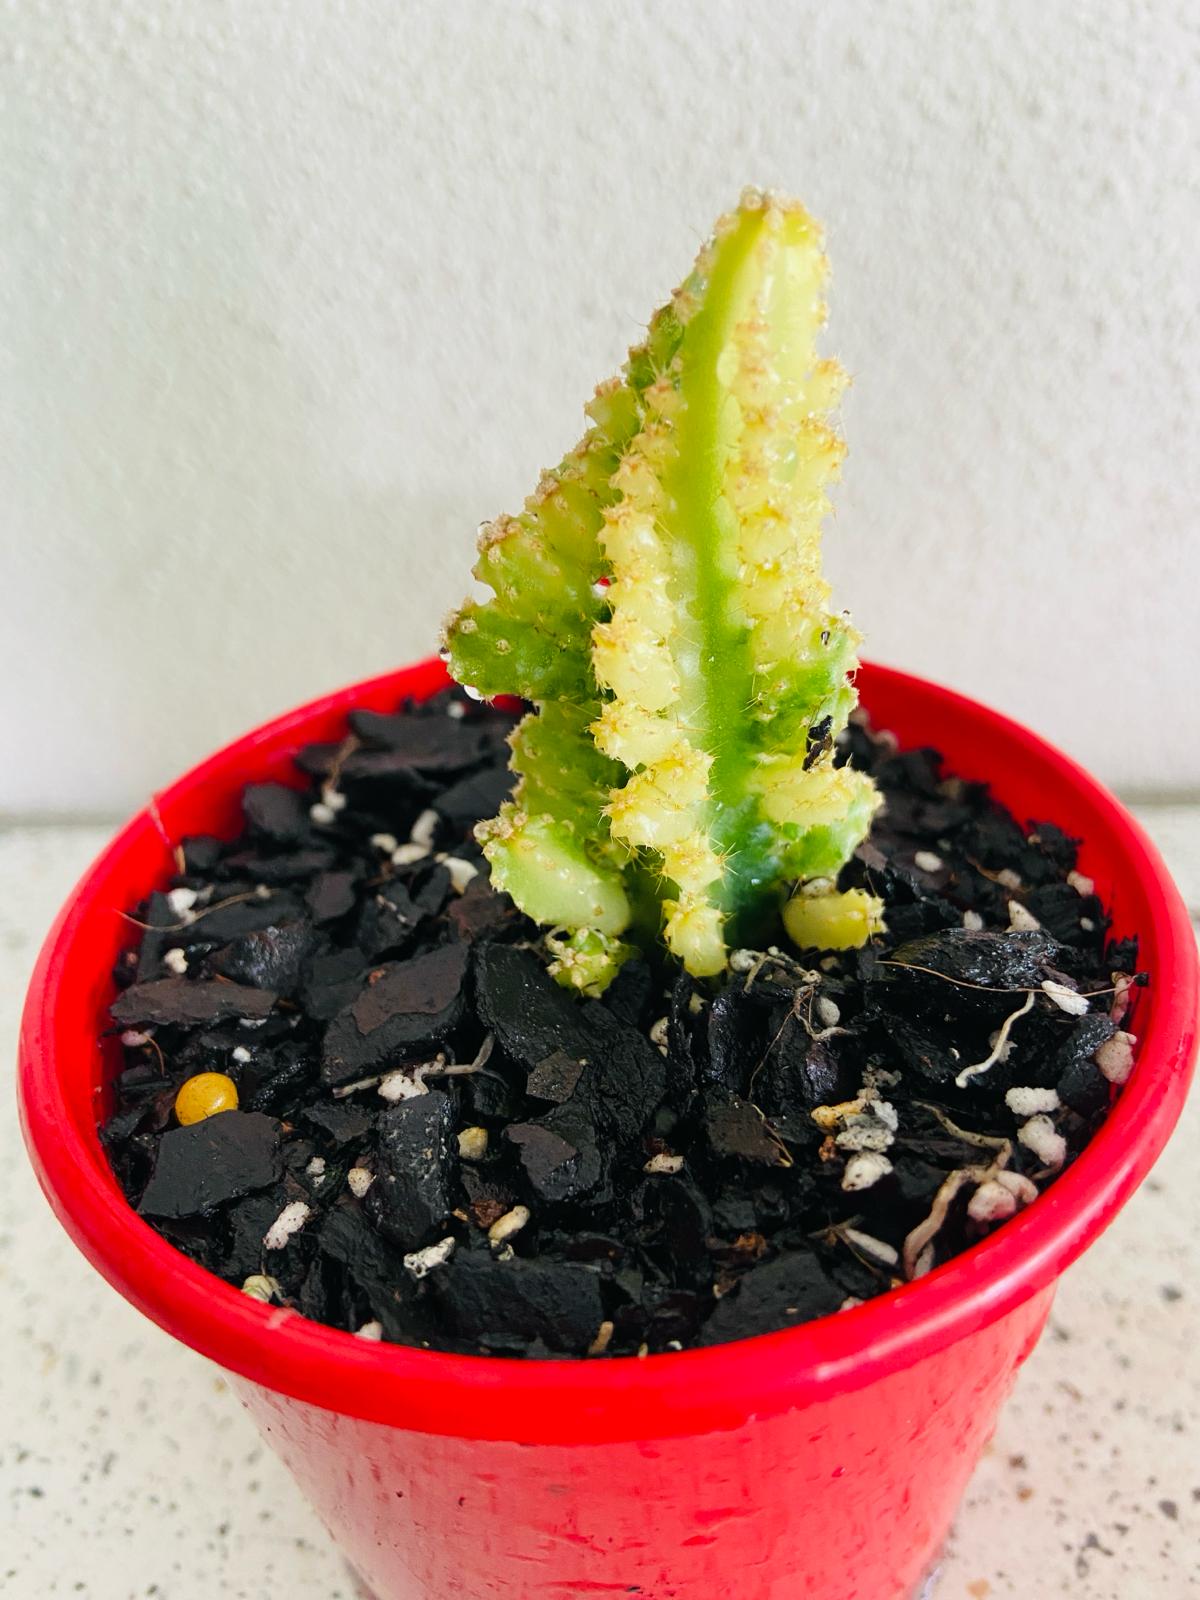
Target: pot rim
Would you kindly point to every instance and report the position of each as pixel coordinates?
(573, 1401)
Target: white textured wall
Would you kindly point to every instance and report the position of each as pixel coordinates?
(297, 294)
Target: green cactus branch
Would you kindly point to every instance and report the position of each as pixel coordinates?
(660, 599)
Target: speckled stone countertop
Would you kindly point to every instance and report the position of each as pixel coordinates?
(127, 1469)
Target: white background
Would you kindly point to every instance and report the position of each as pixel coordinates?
(296, 294)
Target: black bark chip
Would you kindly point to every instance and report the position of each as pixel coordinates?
(630, 995)
(274, 1079)
(185, 1003)
(679, 1215)
(330, 982)
(474, 799)
(390, 919)
(521, 1004)
(374, 1270)
(554, 1078)
(624, 1076)
(966, 974)
(247, 1221)
(331, 895)
(343, 1120)
(201, 852)
(415, 1167)
(347, 1237)
(243, 912)
(984, 958)
(430, 886)
(277, 870)
(1079, 1081)
(206, 1165)
(737, 1128)
(560, 1155)
(404, 1007)
(480, 911)
(805, 1072)
(428, 744)
(268, 958)
(738, 1036)
(273, 811)
(776, 1294)
(161, 932)
(499, 1303)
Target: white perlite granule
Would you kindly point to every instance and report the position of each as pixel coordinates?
(369, 1330)
(828, 1012)
(289, 1221)
(865, 1170)
(878, 1249)
(1081, 884)
(664, 1163)
(424, 828)
(926, 861)
(509, 1224)
(1115, 1056)
(259, 1287)
(991, 1202)
(602, 1340)
(1020, 919)
(421, 1262)
(972, 922)
(359, 1180)
(472, 1144)
(175, 961)
(1066, 999)
(1029, 1102)
(461, 872)
(871, 1128)
(1040, 1136)
(1019, 1185)
(402, 1085)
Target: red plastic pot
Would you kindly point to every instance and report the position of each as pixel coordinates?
(826, 1460)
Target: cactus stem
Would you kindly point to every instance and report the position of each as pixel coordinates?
(661, 598)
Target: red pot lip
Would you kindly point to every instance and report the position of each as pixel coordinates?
(689, 1392)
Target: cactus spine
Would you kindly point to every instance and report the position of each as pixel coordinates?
(661, 600)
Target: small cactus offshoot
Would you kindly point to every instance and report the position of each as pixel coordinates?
(660, 600)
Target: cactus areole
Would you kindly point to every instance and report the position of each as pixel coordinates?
(660, 601)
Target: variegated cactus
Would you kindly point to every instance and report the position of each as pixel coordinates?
(661, 600)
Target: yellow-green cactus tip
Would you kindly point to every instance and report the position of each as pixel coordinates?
(586, 960)
(832, 920)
